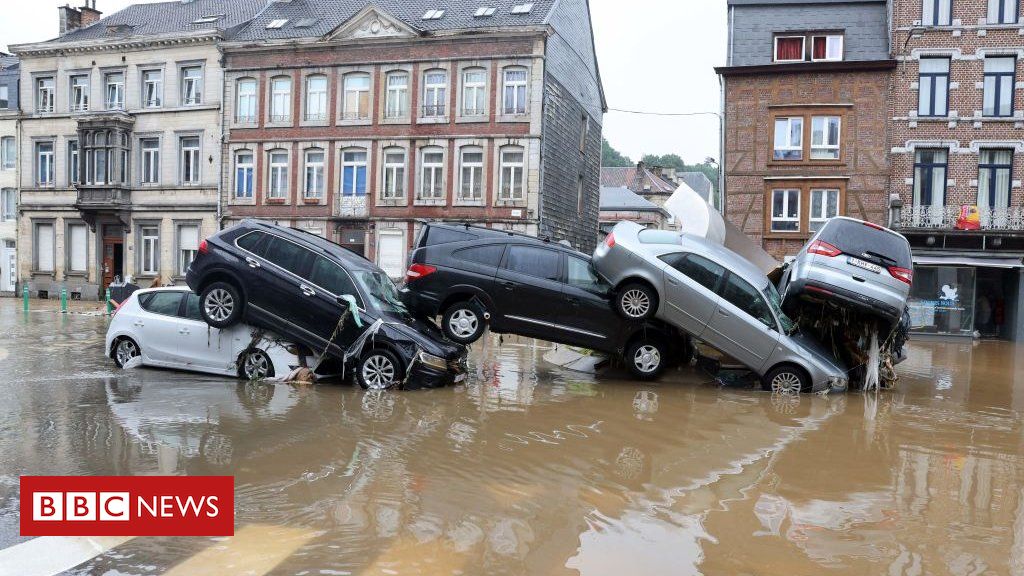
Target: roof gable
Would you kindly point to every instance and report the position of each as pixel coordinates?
(372, 22)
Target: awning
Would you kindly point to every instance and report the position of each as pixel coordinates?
(968, 261)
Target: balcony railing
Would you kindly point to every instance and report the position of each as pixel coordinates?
(353, 206)
(947, 217)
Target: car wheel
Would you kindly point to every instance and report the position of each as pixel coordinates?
(786, 380)
(637, 301)
(254, 364)
(379, 370)
(221, 305)
(125, 350)
(646, 358)
(463, 322)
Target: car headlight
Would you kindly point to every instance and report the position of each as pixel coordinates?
(432, 361)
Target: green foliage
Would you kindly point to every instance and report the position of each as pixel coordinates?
(612, 158)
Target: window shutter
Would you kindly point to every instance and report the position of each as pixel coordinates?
(78, 240)
(188, 238)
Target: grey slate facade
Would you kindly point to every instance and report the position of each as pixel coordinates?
(9, 72)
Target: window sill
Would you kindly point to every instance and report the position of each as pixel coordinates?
(287, 124)
(512, 118)
(355, 122)
(76, 274)
(247, 201)
(312, 201)
(396, 120)
(510, 203)
(392, 203)
(471, 203)
(244, 125)
(430, 202)
(804, 163)
(769, 235)
(477, 119)
(277, 201)
(315, 123)
(42, 273)
(432, 120)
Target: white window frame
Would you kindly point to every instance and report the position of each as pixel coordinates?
(247, 190)
(79, 97)
(246, 103)
(474, 91)
(37, 230)
(47, 159)
(46, 89)
(313, 174)
(513, 167)
(346, 162)
(191, 86)
(8, 153)
(803, 49)
(476, 177)
(785, 209)
(152, 97)
(1000, 7)
(935, 6)
(113, 90)
(182, 252)
(435, 171)
(280, 99)
(277, 174)
(187, 155)
(394, 174)
(439, 91)
(71, 247)
(789, 146)
(396, 99)
(829, 39)
(149, 243)
(518, 108)
(352, 94)
(822, 217)
(74, 161)
(8, 204)
(149, 161)
(827, 146)
(315, 102)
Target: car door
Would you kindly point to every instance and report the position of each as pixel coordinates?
(690, 289)
(743, 326)
(208, 348)
(322, 311)
(587, 317)
(528, 290)
(158, 326)
(281, 291)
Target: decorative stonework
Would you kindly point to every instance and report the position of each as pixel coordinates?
(372, 23)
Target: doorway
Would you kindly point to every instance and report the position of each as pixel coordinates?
(994, 302)
(113, 254)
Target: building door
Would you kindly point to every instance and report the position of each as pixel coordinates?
(353, 239)
(8, 270)
(113, 254)
(391, 252)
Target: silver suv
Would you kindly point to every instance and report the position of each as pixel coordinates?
(717, 296)
(853, 263)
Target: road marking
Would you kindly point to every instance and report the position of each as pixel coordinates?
(253, 550)
(49, 555)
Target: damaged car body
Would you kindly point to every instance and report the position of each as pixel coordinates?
(322, 296)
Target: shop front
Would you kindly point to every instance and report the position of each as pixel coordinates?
(969, 297)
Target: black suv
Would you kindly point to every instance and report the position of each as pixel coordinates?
(299, 285)
(518, 284)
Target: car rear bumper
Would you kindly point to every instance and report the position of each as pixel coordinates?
(824, 291)
(423, 377)
(419, 304)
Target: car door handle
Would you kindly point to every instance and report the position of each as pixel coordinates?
(509, 285)
(253, 263)
(138, 324)
(673, 282)
(573, 300)
(723, 313)
(183, 331)
(307, 290)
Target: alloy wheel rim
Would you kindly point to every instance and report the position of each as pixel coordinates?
(378, 372)
(647, 359)
(463, 323)
(256, 366)
(786, 383)
(126, 350)
(636, 303)
(219, 304)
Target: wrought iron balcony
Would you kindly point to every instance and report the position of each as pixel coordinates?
(948, 217)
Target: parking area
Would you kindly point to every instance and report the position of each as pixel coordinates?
(529, 468)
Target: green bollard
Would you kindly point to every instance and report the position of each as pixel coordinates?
(24, 297)
(63, 300)
(110, 305)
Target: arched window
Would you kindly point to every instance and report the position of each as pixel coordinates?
(278, 174)
(397, 101)
(474, 92)
(432, 174)
(245, 101)
(353, 172)
(316, 98)
(435, 93)
(513, 172)
(471, 179)
(394, 174)
(514, 100)
(356, 99)
(244, 166)
(281, 99)
(314, 174)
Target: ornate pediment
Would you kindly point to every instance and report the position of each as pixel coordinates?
(372, 22)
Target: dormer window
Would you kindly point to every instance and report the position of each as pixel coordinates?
(208, 19)
(789, 48)
(827, 48)
(484, 12)
(433, 14)
(522, 8)
(276, 24)
(824, 47)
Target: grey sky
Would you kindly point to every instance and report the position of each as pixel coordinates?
(655, 56)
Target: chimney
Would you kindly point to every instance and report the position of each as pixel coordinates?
(72, 19)
(89, 13)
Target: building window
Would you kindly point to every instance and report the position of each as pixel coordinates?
(73, 158)
(150, 160)
(435, 90)
(278, 175)
(8, 153)
(79, 93)
(152, 88)
(149, 238)
(77, 248)
(930, 167)
(474, 92)
(114, 96)
(825, 137)
(397, 102)
(1000, 73)
(244, 168)
(316, 98)
(192, 85)
(353, 173)
(314, 183)
(44, 95)
(1002, 11)
(994, 179)
(190, 160)
(43, 245)
(188, 246)
(471, 185)
(246, 101)
(824, 206)
(936, 12)
(356, 100)
(432, 174)
(789, 138)
(789, 48)
(281, 99)
(827, 48)
(933, 87)
(513, 169)
(8, 204)
(515, 91)
(5, 97)
(584, 132)
(394, 174)
(44, 163)
(786, 210)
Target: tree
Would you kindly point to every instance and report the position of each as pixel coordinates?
(610, 157)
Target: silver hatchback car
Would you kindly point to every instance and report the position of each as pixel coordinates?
(716, 296)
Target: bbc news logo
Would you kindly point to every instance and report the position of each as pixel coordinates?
(127, 505)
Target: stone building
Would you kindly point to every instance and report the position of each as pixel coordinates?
(805, 122)
(620, 203)
(9, 71)
(354, 119)
(120, 143)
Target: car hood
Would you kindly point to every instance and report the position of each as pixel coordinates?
(424, 334)
(817, 350)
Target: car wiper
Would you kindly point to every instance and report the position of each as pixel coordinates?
(880, 256)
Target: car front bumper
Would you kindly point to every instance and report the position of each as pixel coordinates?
(422, 376)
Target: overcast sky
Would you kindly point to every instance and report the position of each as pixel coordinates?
(655, 56)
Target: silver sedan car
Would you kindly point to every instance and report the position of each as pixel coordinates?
(716, 296)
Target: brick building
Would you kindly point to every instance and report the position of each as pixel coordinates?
(805, 124)
(957, 143)
(354, 119)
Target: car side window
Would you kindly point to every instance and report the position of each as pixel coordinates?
(699, 269)
(251, 242)
(333, 278)
(580, 274)
(536, 262)
(165, 303)
(192, 307)
(745, 297)
(285, 254)
(483, 255)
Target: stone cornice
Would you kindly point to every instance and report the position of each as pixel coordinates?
(114, 44)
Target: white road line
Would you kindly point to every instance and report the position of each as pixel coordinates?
(253, 550)
(49, 555)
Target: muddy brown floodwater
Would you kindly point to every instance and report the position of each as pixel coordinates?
(530, 469)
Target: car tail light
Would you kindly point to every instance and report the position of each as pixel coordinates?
(203, 247)
(902, 274)
(823, 249)
(873, 225)
(417, 271)
(610, 240)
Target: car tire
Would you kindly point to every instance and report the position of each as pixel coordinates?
(786, 379)
(379, 369)
(254, 364)
(124, 350)
(221, 305)
(646, 358)
(463, 322)
(636, 301)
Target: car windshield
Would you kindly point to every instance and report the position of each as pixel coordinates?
(775, 301)
(383, 293)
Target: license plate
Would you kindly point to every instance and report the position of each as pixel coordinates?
(864, 265)
(460, 378)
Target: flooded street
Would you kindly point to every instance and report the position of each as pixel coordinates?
(530, 469)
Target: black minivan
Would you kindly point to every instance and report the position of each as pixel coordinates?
(300, 285)
(475, 277)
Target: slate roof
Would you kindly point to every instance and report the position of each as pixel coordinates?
(8, 62)
(330, 14)
(636, 179)
(614, 198)
(699, 181)
(616, 176)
